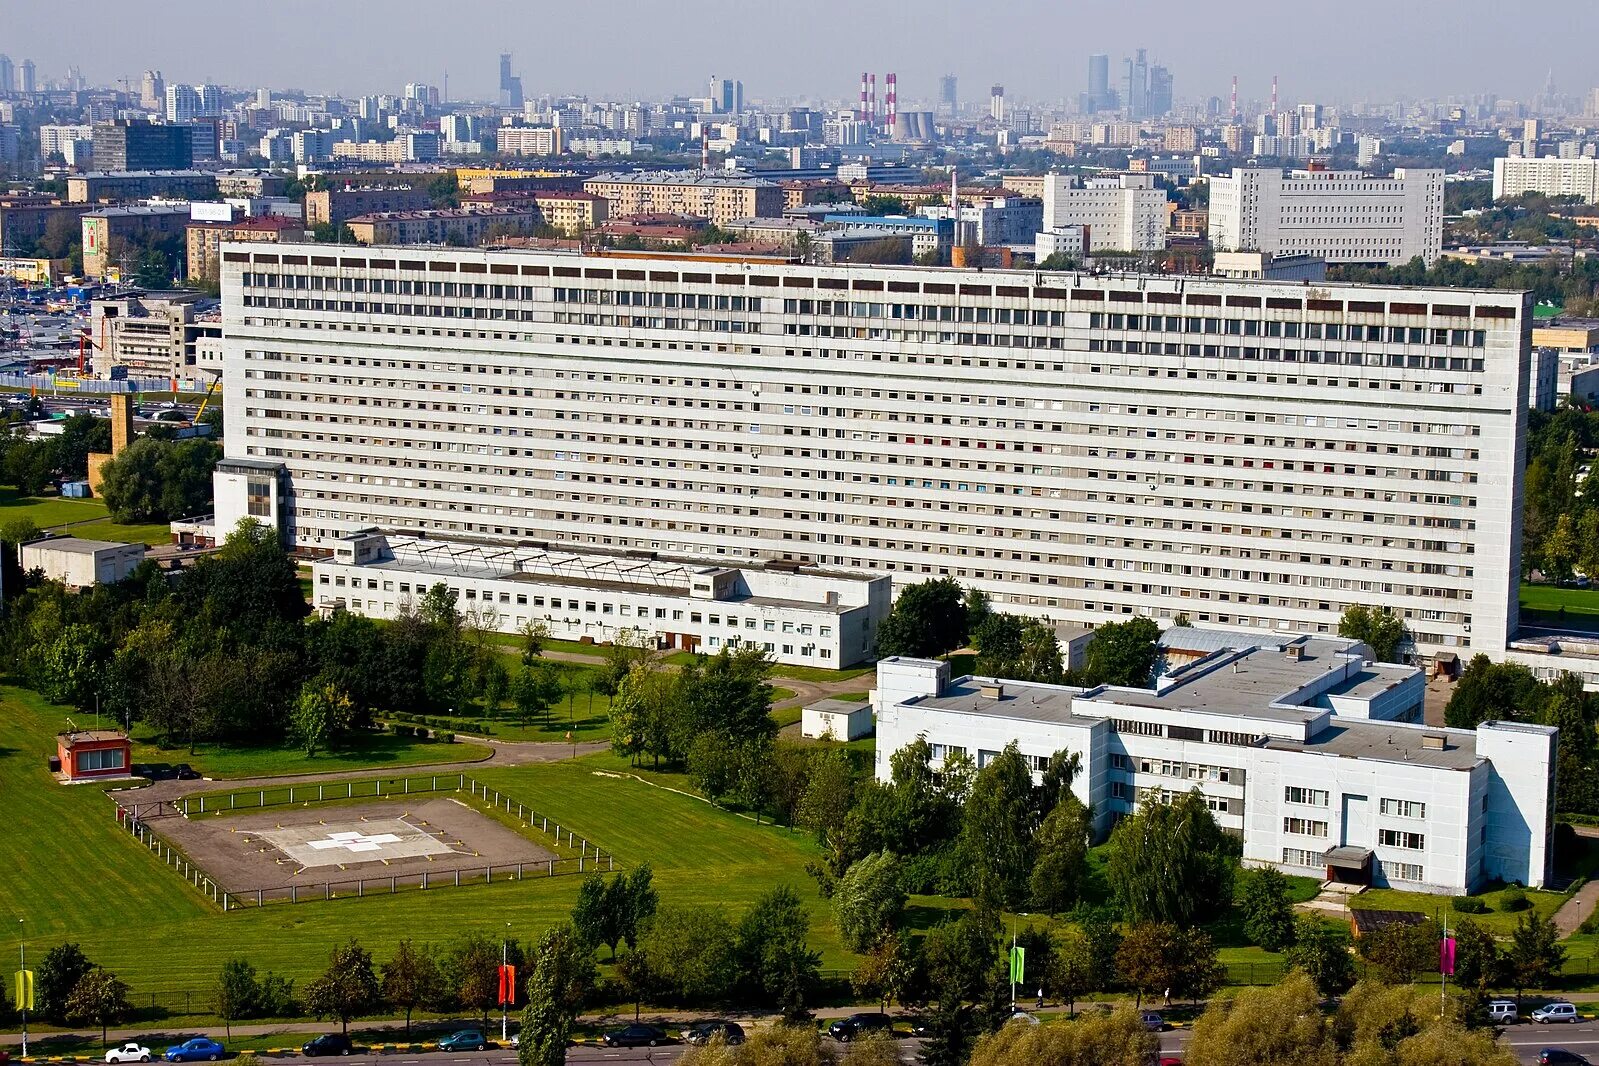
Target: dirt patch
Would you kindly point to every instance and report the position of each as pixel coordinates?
(404, 841)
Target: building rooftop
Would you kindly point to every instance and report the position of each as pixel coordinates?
(1389, 742)
(141, 174)
(682, 177)
(76, 545)
(1029, 703)
(139, 209)
(84, 736)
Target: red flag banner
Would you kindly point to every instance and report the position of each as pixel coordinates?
(508, 985)
(1446, 957)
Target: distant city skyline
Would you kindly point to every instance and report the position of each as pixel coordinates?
(1372, 51)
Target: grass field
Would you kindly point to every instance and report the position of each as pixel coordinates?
(73, 875)
(379, 751)
(47, 511)
(1564, 608)
(1496, 921)
(151, 533)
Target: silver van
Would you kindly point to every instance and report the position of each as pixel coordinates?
(1502, 1012)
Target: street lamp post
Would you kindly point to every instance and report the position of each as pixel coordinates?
(505, 994)
(22, 998)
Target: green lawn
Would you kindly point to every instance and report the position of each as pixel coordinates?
(796, 673)
(1496, 921)
(151, 533)
(1564, 608)
(47, 511)
(381, 751)
(71, 874)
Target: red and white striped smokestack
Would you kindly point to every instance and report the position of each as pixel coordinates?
(862, 114)
(871, 103)
(1235, 98)
(705, 147)
(1274, 94)
(891, 108)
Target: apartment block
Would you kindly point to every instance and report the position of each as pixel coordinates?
(720, 199)
(1343, 216)
(127, 144)
(107, 231)
(338, 205)
(798, 615)
(103, 186)
(455, 225)
(24, 219)
(1311, 754)
(1124, 212)
(204, 239)
(1549, 176)
(1252, 454)
(529, 140)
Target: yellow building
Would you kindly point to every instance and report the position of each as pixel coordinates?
(720, 199)
(205, 240)
(34, 271)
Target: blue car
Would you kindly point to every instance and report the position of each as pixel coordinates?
(201, 1048)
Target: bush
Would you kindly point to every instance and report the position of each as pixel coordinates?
(1590, 924)
(443, 738)
(1470, 905)
(1513, 899)
(422, 732)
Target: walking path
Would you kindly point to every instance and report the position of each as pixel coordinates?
(1582, 902)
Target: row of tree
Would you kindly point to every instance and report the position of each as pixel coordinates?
(225, 651)
(1560, 504)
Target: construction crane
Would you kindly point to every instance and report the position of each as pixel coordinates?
(209, 392)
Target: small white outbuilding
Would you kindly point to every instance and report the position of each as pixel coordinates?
(836, 720)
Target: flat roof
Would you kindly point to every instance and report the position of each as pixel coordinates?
(1387, 742)
(1029, 703)
(832, 706)
(86, 735)
(78, 545)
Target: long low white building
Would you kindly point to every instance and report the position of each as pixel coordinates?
(798, 614)
(1311, 753)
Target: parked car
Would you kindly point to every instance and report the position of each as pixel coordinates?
(701, 1033)
(516, 1041)
(201, 1047)
(857, 1025)
(1558, 1011)
(636, 1035)
(129, 1052)
(464, 1040)
(1502, 1012)
(1153, 1021)
(327, 1044)
(1559, 1056)
(184, 772)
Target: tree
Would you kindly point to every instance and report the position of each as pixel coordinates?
(1071, 972)
(776, 966)
(1171, 862)
(562, 978)
(471, 970)
(1265, 1026)
(868, 901)
(1149, 961)
(1493, 691)
(412, 979)
(692, 954)
(928, 618)
(72, 666)
(1123, 653)
(1323, 954)
(1560, 549)
(347, 989)
(997, 828)
(535, 635)
(155, 480)
(1378, 628)
(1267, 911)
(57, 974)
(99, 998)
(1479, 963)
(1535, 955)
(635, 903)
(1400, 950)
(321, 714)
(1060, 849)
(1116, 1039)
(829, 793)
(536, 688)
(591, 918)
(236, 993)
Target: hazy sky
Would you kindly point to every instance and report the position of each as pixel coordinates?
(1347, 50)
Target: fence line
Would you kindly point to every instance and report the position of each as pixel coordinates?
(171, 856)
(84, 385)
(589, 859)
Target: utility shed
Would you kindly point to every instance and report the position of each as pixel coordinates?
(81, 563)
(838, 719)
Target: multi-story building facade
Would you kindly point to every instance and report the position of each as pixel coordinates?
(1344, 216)
(1249, 454)
(205, 239)
(800, 616)
(154, 335)
(59, 140)
(338, 205)
(131, 145)
(110, 187)
(25, 219)
(1314, 756)
(452, 225)
(106, 232)
(529, 140)
(1549, 176)
(720, 199)
(1125, 212)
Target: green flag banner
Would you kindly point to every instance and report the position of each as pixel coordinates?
(23, 997)
(1018, 965)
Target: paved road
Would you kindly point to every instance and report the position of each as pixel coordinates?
(1525, 1039)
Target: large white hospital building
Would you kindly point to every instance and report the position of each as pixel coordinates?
(1343, 216)
(1249, 454)
(1310, 753)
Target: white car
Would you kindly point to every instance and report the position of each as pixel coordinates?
(1558, 1011)
(129, 1052)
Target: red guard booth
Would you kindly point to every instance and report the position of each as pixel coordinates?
(93, 753)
